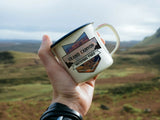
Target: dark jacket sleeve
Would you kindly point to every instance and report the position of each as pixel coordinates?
(59, 118)
(58, 111)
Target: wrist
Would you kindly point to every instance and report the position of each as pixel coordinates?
(71, 104)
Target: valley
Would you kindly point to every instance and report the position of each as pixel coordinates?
(128, 90)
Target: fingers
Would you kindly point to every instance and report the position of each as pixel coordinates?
(95, 77)
(92, 81)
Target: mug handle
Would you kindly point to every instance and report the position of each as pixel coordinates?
(116, 34)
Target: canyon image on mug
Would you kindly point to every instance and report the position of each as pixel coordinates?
(83, 53)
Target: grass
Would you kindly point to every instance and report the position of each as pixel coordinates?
(26, 92)
(26, 69)
(6, 57)
(121, 71)
(130, 109)
(24, 87)
(130, 88)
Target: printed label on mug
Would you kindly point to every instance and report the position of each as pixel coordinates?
(83, 54)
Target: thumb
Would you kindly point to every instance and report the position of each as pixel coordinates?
(46, 42)
(44, 51)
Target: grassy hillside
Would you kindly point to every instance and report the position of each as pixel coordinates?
(151, 40)
(129, 90)
(21, 68)
(144, 55)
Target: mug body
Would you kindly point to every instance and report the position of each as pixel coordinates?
(82, 53)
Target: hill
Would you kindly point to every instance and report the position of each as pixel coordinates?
(20, 45)
(146, 52)
(33, 45)
(25, 88)
(20, 68)
(151, 40)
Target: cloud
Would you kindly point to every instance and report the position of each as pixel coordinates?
(132, 19)
(133, 32)
(24, 35)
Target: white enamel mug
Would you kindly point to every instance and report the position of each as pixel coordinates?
(83, 53)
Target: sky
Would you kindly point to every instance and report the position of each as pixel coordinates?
(31, 19)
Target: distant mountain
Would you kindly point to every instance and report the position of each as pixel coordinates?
(151, 40)
(20, 45)
(33, 45)
(128, 44)
(124, 45)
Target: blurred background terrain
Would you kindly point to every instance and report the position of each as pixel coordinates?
(128, 90)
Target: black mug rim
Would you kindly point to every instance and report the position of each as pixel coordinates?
(65, 36)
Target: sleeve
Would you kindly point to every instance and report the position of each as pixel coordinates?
(58, 111)
(59, 118)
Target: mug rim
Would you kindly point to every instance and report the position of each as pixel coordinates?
(65, 36)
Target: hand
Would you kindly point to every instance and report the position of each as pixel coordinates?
(65, 90)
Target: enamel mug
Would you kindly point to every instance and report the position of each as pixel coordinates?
(83, 53)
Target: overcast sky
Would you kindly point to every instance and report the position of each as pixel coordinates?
(30, 19)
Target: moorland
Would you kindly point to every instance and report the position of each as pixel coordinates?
(128, 90)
